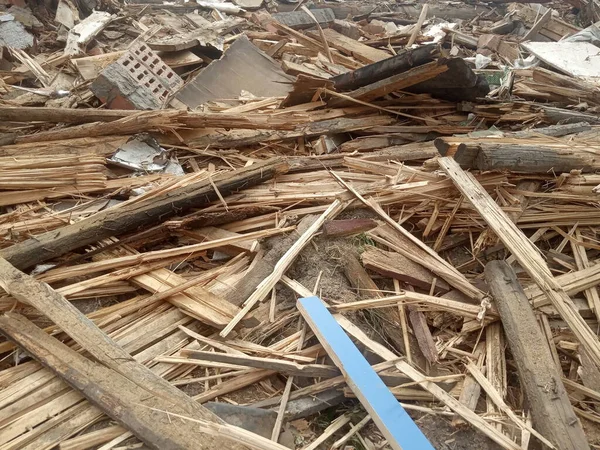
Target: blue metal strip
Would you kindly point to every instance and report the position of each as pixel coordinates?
(383, 407)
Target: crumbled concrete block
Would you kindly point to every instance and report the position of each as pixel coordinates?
(137, 80)
(13, 34)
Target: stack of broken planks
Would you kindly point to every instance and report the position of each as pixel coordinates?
(322, 185)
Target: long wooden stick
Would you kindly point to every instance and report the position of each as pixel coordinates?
(525, 252)
(418, 25)
(283, 264)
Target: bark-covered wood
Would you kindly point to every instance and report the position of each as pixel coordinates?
(114, 222)
(380, 70)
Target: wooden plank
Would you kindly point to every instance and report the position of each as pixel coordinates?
(551, 408)
(399, 267)
(351, 47)
(159, 420)
(399, 81)
(389, 416)
(525, 252)
(81, 329)
(113, 222)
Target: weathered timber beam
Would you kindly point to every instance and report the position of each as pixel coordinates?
(161, 423)
(187, 118)
(117, 221)
(553, 415)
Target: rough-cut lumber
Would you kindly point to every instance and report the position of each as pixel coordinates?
(194, 119)
(372, 73)
(398, 82)
(389, 416)
(128, 218)
(347, 227)
(525, 252)
(104, 350)
(551, 408)
(159, 421)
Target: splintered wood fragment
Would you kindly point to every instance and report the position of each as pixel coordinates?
(214, 233)
(263, 265)
(351, 47)
(525, 252)
(389, 416)
(116, 221)
(278, 365)
(283, 264)
(418, 25)
(487, 238)
(288, 387)
(550, 406)
(126, 401)
(499, 402)
(469, 416)
(471, 389)
(347, 227)
(333, 427)
(582, 262)
(496, 366)
(321, 33)
(92, 439)
(361, 281)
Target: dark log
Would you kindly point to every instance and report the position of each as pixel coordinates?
(380, 70)
(117, 221)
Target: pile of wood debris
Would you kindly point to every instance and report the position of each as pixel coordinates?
(232, 225)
